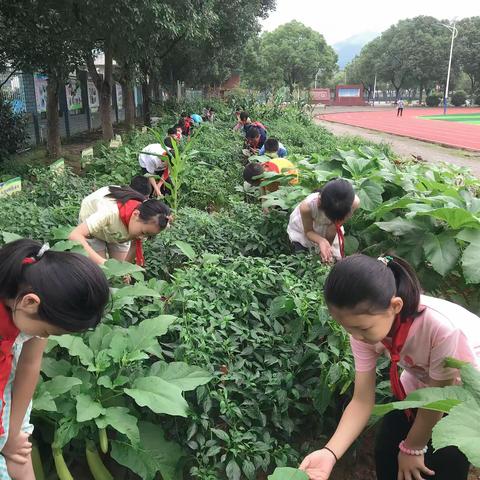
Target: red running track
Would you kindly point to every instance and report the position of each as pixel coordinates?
(452, 134)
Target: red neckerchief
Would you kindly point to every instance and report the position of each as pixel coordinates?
(126, 210)
(165, 174)
(341, 238)
(8, 335)
(399, 338)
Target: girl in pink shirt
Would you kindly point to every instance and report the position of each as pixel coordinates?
(379, 302)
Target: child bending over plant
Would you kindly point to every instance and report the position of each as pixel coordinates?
(253, 172)
(379, 303)
(111, 217)
(42, 293)
(153, 162)
(318, 221)
(273, 149)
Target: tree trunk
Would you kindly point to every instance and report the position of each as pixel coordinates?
(54, 145)
(104, 87)
(146, 95)
(128, 95)
(420, 96)
(129, 102)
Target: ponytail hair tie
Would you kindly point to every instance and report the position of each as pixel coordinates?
(45, 248)
(385, 260)
(38, 256)
(28, 261)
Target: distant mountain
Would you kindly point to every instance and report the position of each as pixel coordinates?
(347, 49)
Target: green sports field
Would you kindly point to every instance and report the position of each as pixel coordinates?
(471, 118)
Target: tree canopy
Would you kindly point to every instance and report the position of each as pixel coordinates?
(290, 55)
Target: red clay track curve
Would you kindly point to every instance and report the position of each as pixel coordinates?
(452, 134)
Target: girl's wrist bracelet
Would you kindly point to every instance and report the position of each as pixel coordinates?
(331, 451)
(409, 451)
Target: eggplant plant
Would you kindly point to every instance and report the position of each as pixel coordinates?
(102, 387)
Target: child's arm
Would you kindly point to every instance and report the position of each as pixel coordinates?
(24, 383)
(307, 221)
(131, 252)
(80, 234)
(156, 187)
(318, 465)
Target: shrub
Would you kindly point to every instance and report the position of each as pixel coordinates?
(458, 98)
(433, 100)
(477, 99)
(260, 326)
(243, 230)
(12, 129)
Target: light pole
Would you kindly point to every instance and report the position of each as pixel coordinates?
(454, 31)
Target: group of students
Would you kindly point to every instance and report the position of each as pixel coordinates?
(153, 159)
(257, 145)
(380, 304)
(378, 301)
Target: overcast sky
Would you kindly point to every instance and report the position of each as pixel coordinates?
(359, 16)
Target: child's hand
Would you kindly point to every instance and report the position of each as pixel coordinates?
(318, 465)
(17, 448)
(411, 467)
(325, 251)
(20, 471)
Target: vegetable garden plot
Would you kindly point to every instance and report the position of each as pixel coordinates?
(213, 364)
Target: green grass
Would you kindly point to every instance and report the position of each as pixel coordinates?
(470, 118)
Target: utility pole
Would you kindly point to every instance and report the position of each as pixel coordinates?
(454, 31)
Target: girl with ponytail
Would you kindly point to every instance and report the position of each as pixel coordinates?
(112, 216)
(379, 303)
(42, 293)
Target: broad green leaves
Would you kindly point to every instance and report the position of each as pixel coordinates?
(121, 420)
(87, 408)
(460, 428)
(153, 454)
(114, 268)
(180, 374)
(471, 263)
(186, 249)
(158, 395)
(287, 473)
(441, 251)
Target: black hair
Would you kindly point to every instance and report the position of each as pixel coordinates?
(367, 285)
(271, 145)
(183, 115)
(253, 132)
(142, 185)
(73, 290)
(148, 209)
(181, 123)
(337, 198)
(253, 170)
(244, 116)
(172, 130)
(168, 142)
(177, 126)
